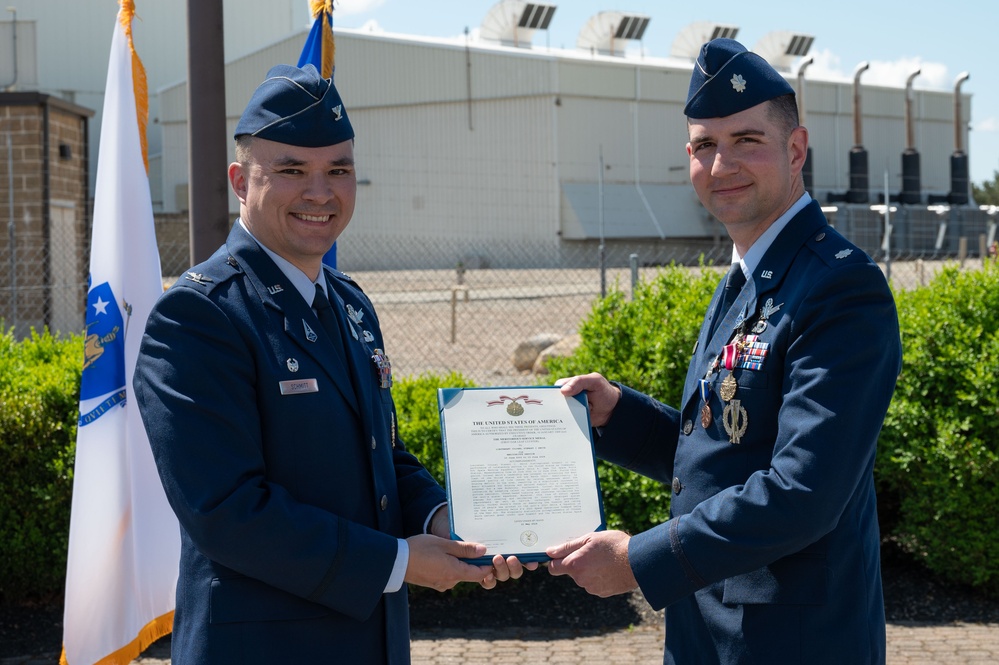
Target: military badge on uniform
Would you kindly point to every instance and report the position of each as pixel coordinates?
(292, 365)
(310, 334)
(768, 310)
(198, 278)
(735, 420)
(728, 388)
(384, 367)
(753, 353)
(356, 316)
(734, 416)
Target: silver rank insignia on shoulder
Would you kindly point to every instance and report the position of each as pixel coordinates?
(198, 278)
(274, 290)
(292, 365)
(310, 334)
(843, 253)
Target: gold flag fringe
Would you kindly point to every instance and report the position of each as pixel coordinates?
(320, 10)
(151, 632)
(139, 84)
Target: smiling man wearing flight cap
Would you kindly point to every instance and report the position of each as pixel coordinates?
(771, 553)
(272, 423)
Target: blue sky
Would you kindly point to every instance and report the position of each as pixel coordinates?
(941, 39)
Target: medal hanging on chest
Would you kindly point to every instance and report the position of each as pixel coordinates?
(706, 416)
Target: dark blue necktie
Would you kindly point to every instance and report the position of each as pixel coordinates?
(327, 318)
(734, 282)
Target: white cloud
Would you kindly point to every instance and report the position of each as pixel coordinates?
(352, 7)
(933, 75)
(371, 25)
(990, 124)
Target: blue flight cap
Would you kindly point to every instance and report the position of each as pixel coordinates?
(728, 78)
(297, 107)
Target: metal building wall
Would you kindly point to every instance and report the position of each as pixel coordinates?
(459, 145)
(73, 40)
(829, 118)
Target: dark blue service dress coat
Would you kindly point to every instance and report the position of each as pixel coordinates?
(282, 465)
(771, 553)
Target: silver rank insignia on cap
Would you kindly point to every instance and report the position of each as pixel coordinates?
(337, 112)
(738, 83)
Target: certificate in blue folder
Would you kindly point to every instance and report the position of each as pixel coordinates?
(520, 470)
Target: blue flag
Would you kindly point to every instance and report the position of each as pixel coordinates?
(318, 51)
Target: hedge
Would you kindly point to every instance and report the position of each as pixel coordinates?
(39, 402)
(937, 471)
(938, 456)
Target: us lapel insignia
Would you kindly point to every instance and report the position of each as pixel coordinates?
(274, 290)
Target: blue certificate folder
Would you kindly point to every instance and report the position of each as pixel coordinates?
(521, 475)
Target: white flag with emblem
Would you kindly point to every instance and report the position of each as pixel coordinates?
(124, 541)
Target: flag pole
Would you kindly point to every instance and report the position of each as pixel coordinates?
(208, 188)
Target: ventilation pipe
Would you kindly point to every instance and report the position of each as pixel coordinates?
(806, 171)
(13, 27)
(959, 160)
(859, 175)
(910, 157)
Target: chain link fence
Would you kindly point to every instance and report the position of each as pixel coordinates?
(472, 318)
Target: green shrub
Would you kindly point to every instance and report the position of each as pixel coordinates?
(39, 402)
(938, 458)
(419, 420)
(645, 343)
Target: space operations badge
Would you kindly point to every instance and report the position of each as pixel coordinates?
(103, 355)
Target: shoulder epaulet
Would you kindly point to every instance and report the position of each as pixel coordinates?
(333, 273)
(834, 249)
(209, 274)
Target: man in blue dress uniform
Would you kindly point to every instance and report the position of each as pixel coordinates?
(771, 553)
(271, 421)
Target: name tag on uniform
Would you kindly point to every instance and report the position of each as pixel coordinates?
(299, 386)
